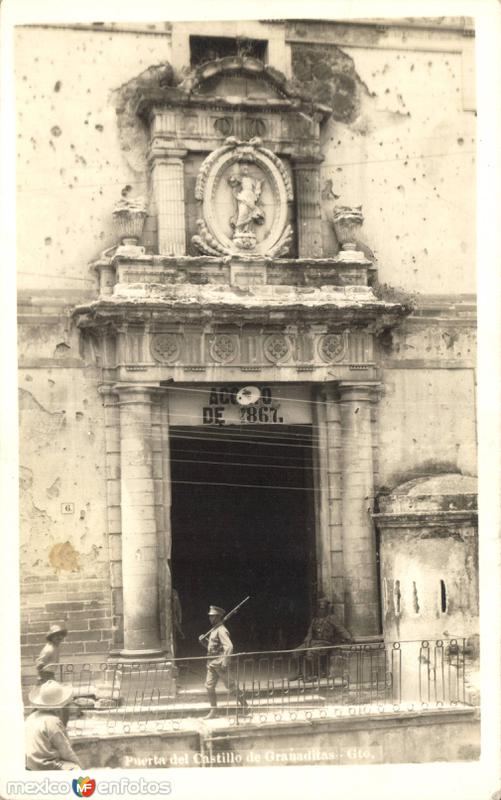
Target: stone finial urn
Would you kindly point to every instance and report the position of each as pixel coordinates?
(129, 215)
(347, 224)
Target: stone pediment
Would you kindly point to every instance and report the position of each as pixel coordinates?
(236, 75)
(234, 81)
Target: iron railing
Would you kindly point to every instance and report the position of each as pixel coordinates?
(269, 687)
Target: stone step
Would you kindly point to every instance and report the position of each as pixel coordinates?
(175, 710)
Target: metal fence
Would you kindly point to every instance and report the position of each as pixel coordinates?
(268, 687)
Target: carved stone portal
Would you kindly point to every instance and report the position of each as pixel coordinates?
(244, 190)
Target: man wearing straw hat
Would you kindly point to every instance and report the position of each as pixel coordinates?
(219, 647)
(47, 743)
(48, 660)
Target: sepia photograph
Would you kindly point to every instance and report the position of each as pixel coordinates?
(246, 279)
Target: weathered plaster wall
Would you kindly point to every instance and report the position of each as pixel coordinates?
(63, 556)
(72, 162)
(426, 423)
(427, 411)
(429, 557)
(418, 567)
(401, 144)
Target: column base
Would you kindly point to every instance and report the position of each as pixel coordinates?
(141, 655)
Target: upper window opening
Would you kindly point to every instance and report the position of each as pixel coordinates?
(208, 48)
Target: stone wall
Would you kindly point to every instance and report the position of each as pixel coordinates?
(429, 559)
(429, 737)
(63, 549)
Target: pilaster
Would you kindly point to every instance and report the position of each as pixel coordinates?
(308, 215)
(113, 496)
(167, 172)
(359, 546)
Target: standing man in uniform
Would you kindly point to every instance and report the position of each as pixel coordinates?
(219, 648)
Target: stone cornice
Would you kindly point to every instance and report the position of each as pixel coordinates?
(453, 308)
(151, 99)
(349, 306)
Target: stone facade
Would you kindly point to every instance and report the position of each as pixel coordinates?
(206, 298)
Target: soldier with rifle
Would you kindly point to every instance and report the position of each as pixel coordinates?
(219, 648)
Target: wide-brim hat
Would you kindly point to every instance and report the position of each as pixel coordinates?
(216, 610)
(55, 629)
(50, 694)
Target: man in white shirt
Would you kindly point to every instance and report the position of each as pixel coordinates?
(47, 743)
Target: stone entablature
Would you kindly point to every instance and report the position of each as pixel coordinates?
(209, 122)
(229, 353)
(139, 268)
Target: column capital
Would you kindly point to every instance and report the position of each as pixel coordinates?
(136, 392)
(306, 160)
(160, 153)
(358, 390)
(105, 389)
(327, 391)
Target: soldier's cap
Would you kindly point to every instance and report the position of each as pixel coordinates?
(217, 610)
(55, 629)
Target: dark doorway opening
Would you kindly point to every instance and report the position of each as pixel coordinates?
(243, 524)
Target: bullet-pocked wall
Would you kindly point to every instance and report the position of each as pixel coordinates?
(399, 143)
(71, 166)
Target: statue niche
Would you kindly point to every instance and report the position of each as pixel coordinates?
(244, 190)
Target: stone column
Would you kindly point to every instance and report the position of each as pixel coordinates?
(328, 494)
(139, 530)
(167, 171)
(308, 215)
(359, 545)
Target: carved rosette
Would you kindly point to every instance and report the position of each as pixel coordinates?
(276, 348)
(165, 347)
(224, 348)
(333, 347)
(244, 190)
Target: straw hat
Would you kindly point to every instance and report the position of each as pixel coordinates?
(216, 610)
(50, 694)
(55, 629)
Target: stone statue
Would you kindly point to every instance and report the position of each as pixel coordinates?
(247, 192)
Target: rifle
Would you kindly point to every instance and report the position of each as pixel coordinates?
(225, 618)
